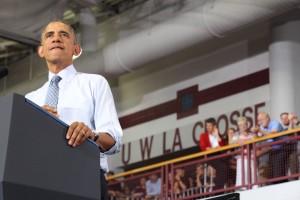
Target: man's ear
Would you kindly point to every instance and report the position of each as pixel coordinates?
(40, 51)
(77, 50)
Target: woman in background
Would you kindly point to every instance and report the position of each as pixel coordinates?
(244, 135)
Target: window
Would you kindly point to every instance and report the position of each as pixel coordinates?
(187, 102)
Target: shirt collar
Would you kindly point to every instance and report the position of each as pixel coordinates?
(66, 74)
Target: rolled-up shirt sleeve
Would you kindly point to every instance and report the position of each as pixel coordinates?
(105, 115)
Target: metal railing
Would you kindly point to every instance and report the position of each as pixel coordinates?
(256, 163)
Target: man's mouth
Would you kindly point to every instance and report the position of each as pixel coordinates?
(57, 47)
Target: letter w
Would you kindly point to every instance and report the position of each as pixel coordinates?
(146, 147)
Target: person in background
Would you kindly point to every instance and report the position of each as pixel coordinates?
(277, 156)
(126, 194)
(232, 136)
(200, 176)
(114, 189)
(204, 181)
(153, 187)
(211, 139)
(187, 178)
(178, 180)
(244, 135)
(174, 184)
(83, 101)
(140, 190)
(290, 121)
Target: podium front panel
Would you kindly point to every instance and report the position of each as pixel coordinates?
(39, 164)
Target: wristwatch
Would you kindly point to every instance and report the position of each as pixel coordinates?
(96, 136)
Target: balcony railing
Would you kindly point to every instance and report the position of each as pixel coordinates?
(257, 163)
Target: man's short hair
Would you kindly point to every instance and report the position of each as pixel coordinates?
(61, 21)
(284, 113)
(211, 120)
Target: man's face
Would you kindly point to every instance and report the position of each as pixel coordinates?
(209, 127)
(284, 119)
(58, 44)
(263, 120)
(153, 177)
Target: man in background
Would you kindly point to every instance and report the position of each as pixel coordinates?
(277, 156)
(153, 187)
(290, 121)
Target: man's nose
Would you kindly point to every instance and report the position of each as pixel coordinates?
(56, 38)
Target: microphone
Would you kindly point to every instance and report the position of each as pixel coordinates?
(3, 72)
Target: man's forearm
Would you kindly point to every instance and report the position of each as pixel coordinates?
(265, 133)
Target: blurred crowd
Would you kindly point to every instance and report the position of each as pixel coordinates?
(274, 160)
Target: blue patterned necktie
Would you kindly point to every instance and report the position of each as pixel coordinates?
(52, 94)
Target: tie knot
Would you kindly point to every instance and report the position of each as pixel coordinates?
(55, 79)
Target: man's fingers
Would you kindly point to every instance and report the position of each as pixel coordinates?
(82, 137)
(77, 133)
(71, 130)
(51, 110)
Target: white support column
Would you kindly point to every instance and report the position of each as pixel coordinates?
(284, 56)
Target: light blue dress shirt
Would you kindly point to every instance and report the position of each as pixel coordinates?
(85, 98)
(153, 188)
(274, 126)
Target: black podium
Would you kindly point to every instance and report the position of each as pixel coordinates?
(36, 162)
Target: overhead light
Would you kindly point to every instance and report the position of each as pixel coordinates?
(3, 72)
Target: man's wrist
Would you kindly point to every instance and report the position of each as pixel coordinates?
(95, 137)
